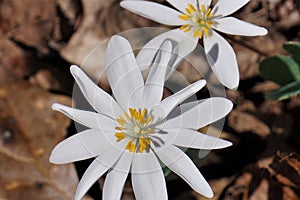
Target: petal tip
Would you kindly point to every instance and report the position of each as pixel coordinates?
(74, 69)
(198, 85)
(264, 31)
(167, 44)
(224, 144)
(55, 158)
(55, 106)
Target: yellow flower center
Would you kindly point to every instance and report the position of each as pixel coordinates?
(136, 127)
(200, 20)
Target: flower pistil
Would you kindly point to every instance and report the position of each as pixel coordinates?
(200, 20)
(137, 128)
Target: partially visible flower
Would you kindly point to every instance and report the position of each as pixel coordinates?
(134, 130)
(198, 20)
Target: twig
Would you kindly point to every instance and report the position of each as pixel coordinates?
(16, 157)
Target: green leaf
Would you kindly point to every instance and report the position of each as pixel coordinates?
(166, 171)
(280, 69)
(285, 92)
(294, 49)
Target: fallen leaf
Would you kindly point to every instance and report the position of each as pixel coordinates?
(29, 130)
(30, 22)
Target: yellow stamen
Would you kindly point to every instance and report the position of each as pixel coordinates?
(148, 140)
(143, 131)
(121, 121)
(128, 145)
(148, 120)
(188, 11)
(187, 30)
(208, 24)
(132, 148)
(119, 128)
(132, 113)
(183, 27)
(210, 15)
(127, 116)
(205, 30)
(207, 12)
(191, 7)
(202, 8)
(143, 114)
(196, 32)
(200, 34)
(202, 22)
(120, 136)
(184, 17)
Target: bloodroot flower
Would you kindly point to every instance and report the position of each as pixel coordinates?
(135, 131)
(197, 20)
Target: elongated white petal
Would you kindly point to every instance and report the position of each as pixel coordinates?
(227, 7)
(101, 101)
(221, 57)
(183, 166)
(182, 4)
(116, 177)
(195, 115)
(181, 50)
(154, 11)
(234, 26)
(185, 41)
(194, 139)
(89, 119)
(147, 177)
(83, 145)
(154, 85)
(98, 167)
(123, 74)
(161, 110)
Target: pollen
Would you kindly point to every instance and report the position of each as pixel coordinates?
(135, 127)
(199, 20)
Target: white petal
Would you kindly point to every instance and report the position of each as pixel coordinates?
(183, 166)
(98, 167)
(234, 26)
(147, 177)
(161, 110)
(83, 145)
(154, 11)
(89, 119)
(221, 57)
(116, 177)
(123, 74)
(101, 101)
(194, 139)
(181, 50)
(182, 4)
(202, 113)
(147, 54)
(154, 85)
(227, 7)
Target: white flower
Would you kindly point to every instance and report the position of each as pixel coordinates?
(198, 20)
(134, 130)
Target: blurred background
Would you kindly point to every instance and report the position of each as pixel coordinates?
(39, 39)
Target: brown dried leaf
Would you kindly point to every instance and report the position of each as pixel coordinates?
(270, 178)
(30, 22)
(15, 62)
(245, 122)
(29, 130)
(288, 166)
